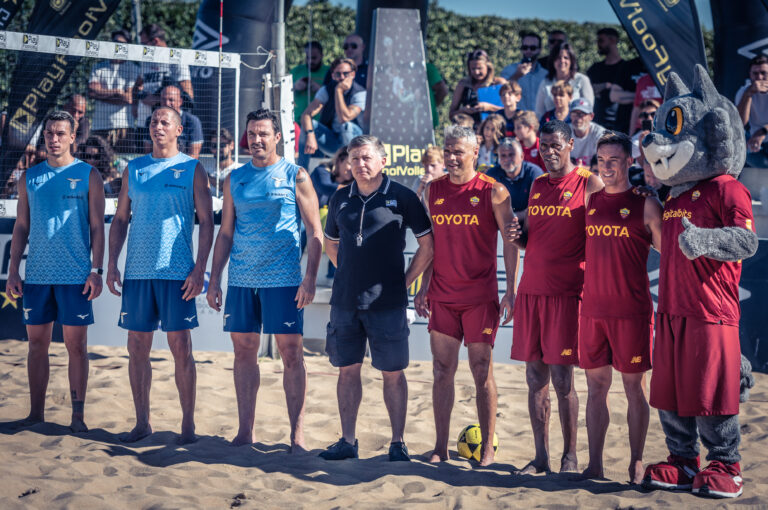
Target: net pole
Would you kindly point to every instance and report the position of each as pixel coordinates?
(218, 109)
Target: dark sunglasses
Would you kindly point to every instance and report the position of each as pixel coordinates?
(556, 41)
(647, 115)
(524, 47)
(341, 74)
(350, 46)
(88, 155)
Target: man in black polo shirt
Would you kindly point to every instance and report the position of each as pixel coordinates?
(365, 239)
(516, 174)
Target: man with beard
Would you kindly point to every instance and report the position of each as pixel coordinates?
(308, 77)
(585, 132)
(224, 146)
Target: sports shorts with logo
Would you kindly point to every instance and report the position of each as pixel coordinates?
(271, 309)
(475, 323)
(682, 347)
(148, 304)
(623, 343)
(386, 331)
(62, 303)
(546, 328)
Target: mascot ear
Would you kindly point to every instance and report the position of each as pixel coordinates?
(703, 87)
(715, 126)
(675, 87)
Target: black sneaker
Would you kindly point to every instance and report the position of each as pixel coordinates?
(398, 452)
(340, 450)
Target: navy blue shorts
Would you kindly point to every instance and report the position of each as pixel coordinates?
(273, 309)
(386, 332)
(149, 303)
(65, 304)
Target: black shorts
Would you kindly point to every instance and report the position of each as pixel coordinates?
(386, 331)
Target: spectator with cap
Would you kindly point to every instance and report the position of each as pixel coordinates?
(529, 72)
(562, 66)
(225, 144)
(510, 94)
(562, 95)
(308, 77)
(191, 139)
(111, 86)
(480, 74)
(526, 130)
(586, 133)
(516, 174)
(340, 104)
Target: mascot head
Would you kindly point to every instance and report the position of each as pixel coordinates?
(697, 134)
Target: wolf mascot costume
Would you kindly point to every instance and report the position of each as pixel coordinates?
(697, 147)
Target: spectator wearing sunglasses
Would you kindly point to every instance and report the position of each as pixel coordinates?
(528, 73)
(340, 105)
(354, 49)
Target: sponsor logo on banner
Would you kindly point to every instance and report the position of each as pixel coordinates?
(59, 5)
(403, 161)
(226, 59)
(29, 42)
(201, 58)
(3, 40)
(121, 50)
(175, 56)
(62, 46)
(148, 53)
(92, 48)
(671, 3)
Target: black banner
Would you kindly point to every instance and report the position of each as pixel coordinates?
(8, 9)
(666, 34)
(398, 93)
(740, 35)
(37, 79)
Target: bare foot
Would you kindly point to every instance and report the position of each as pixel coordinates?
(243, 439)
(592, 474)
(488, 458)
(137, 434)
(32, 419)
(298, 448)
(78, 425)
(534, 467)
(636, 472)
(438, 456)
(569, 463)
(186, 438)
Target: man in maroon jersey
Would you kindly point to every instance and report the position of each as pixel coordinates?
(545, 335)
(616, 324)
(459, 292)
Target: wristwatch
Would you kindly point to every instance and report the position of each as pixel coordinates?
(99, 271)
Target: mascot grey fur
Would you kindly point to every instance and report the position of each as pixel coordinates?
(697, 147)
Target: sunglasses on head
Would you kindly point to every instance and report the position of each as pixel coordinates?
(350, 45)
(525, 47)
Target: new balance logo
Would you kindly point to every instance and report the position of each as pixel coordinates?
(636, 359)
(488, 331)
(190, 319)
(73, 182)
(177, 172)
(83, 317)
(536, 195)
(122, 316)
(289, 324)
(566, 352)
(439, 201)
(26, 313)
(278, 180)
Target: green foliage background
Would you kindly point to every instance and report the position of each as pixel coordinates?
(449, 37)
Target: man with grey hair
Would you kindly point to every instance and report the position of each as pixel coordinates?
(459, 291)
(516, 174)
(365, 239)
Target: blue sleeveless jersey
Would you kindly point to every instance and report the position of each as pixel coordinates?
(162, 218)
(265, 247)
(59, 230)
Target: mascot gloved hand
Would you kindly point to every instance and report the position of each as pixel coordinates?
(697, 148)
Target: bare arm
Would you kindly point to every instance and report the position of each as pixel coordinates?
(112, 96)
(93, 284)
(652, 217)
(310, 111)
(13, 287)
(619, 95)
(421, 259)
(193, 285)
(186, 86)
(441, 92)
(633, 120)
(309, 208)
(457, 93)
(222, 248)
(118, 229)
(343, 111)
(332, 250)
(505, 218)
(194, 150)
(745, 105)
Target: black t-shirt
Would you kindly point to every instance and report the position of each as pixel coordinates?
(371, 266)
(625, 73)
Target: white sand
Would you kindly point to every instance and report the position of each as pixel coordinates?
(95, 470)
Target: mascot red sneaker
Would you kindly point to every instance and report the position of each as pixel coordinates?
(697, 147)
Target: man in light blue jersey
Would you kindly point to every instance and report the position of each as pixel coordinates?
(61, 215)
(264, 202)
(161, 195)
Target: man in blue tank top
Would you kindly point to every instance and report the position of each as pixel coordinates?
(61, 215)
(264, 201)
(162, 193)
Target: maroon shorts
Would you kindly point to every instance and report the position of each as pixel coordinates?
(475, 323)
(624, 344)
(546, 328)
(696, 367)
